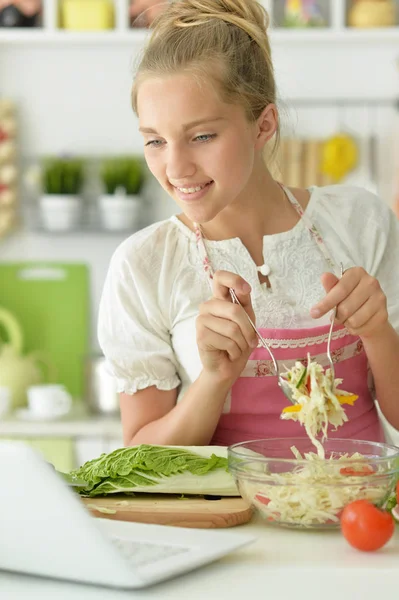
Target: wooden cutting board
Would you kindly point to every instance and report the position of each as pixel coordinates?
(168, 509)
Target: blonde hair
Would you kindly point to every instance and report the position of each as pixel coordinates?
(198, 35)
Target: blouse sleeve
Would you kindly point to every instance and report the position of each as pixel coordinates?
(132, 331)
(380, 241)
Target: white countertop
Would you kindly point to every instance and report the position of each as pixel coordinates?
(80, 423)
(281, 564)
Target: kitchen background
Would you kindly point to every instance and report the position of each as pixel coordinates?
(73, 184)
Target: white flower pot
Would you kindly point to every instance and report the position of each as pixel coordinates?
(60, 212)
(119, 213)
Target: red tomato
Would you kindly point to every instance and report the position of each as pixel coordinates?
(365, 526)
(361, 470)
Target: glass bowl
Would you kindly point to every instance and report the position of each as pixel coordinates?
(311, 493)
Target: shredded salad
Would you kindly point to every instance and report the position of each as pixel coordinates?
(315, 492)
(318, 402)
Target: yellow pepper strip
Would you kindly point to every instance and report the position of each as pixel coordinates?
(341, 398)
(347, 399)
(293, 408)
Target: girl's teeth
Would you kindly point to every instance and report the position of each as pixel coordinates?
(191, 190)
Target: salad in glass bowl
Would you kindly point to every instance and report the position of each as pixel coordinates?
(291, 485)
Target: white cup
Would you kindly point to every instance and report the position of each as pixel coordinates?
(49, 400)
(5, 400)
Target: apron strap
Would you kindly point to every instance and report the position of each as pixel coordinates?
(314, 232)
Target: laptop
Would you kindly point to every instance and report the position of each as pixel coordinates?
(45, 530)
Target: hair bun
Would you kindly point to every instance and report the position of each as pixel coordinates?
(248, 15)
(248, 10)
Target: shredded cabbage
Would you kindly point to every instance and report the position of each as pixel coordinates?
(318, 403)
(314, 493)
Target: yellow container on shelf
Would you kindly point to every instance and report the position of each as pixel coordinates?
(87, 15)
(372, 13)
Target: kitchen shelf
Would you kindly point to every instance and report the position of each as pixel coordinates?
(330, 35)
(323, 35)
(336, 31)
(41, 36)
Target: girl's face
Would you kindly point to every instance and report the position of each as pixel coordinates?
(201, 150)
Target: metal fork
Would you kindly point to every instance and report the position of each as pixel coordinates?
(330, 360)
(280, 380)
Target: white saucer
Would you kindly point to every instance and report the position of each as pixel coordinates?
(26, 415)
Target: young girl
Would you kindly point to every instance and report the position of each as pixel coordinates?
(186, 359)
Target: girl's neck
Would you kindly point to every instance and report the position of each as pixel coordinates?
(262, 209)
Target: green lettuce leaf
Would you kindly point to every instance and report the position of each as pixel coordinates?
(157, 469)
(391, 503)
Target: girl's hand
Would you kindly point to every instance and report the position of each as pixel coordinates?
(361, 303)
(225, 337)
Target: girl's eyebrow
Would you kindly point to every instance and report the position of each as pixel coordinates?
(187, 126)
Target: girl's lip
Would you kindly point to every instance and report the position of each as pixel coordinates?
(192, 185)
(194, 196)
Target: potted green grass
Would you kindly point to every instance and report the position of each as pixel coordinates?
(119, 207)
(60, 203)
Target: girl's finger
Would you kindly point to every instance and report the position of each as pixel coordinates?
(223, 281)
(345, 286)
(212, 342)
(231, 312)
(226, 328)
(367, 289)
(364, 316)
(351, 305)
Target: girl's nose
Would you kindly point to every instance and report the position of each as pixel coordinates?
(179, 165)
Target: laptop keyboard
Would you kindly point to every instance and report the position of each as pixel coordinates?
(144, 553)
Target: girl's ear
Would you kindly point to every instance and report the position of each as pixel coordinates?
(267, 125)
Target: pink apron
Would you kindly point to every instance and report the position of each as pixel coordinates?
(253, 407)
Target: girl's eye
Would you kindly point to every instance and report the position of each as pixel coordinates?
(205, 137)
(199, 138)
(155, 143)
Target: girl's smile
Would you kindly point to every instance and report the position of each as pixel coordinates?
(193, 192)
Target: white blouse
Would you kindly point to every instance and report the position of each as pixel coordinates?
(156, 282)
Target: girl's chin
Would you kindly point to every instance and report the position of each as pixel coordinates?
(201, 217)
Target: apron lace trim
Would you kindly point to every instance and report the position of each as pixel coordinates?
(306, 341)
